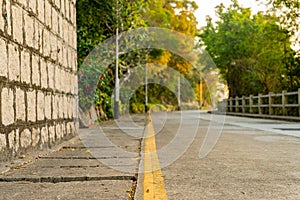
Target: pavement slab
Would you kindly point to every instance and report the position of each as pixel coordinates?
(77, 170)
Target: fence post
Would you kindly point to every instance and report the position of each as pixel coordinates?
(243, 104)
(270, 103)
(251, 103)
(284, 102)
(236, 104)
(299, 102)
(259, 104)
(230, 104)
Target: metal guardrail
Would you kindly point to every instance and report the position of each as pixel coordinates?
(265, 104)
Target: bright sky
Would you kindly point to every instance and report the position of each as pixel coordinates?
(207, 7)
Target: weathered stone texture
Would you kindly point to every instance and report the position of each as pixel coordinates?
(20, 104)
(17, 24)
(14, 62)
(38, 74)
(1, 17)
(25, 67)
(31, 106)
(2, 142)
(25, 138)
(3, 56)
(7, 106)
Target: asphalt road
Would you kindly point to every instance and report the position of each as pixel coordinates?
(178, 155)
(204, 156)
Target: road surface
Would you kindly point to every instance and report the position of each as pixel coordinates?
(227, 158)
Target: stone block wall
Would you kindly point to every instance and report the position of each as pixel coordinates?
(38, 81)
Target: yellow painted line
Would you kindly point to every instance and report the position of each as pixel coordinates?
(153, 183)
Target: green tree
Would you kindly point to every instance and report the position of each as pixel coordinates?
(249, 50)
(97, 20)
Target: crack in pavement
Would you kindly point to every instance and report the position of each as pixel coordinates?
(65, 179)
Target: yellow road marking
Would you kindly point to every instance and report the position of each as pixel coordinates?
(153, 183)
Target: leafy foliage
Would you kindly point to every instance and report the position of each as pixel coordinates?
(97, 20)
(252, 52)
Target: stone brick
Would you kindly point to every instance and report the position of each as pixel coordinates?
(58, 74)
(58, 131)
(51, 75)
(67, 5)
(13, 139)
(44, 73)
(17, 24)
(74, 38)
(29, 33)
(48, 106)
(24, 2)
(25, 67)
(75, 86)
(38, 35)
(74, 63)
(65, 107)
(53, 45)
(60, 52)
(72, 13)
(71, 83)
(35, 70)
(70, 58)
(72, 128)
(35, 136)
(55, 107)
(25, 138)
(61, 80)
(13, 62)
(57, 3)
(68, 128)
(70, 34)
(46, 43)
(40, 106)
(2, 142)
(74, 107)
(1, 17)
(33, 6)
(8, 18)
(41, 10)
(60, 26)
(66, 83)
(48, 10)
(51, 130)
(31, 106)
(62, 7)
(65, 56)
(69, 106)
(44, 135)
(66, 31)
(54, 21)
(20, 104)
(7, 107)
(60, 110)
(63, 130)
(3, 60)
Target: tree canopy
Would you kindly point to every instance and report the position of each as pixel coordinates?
(97, 21)
(252, 51)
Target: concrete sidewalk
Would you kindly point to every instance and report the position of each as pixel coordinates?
(73, 171)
